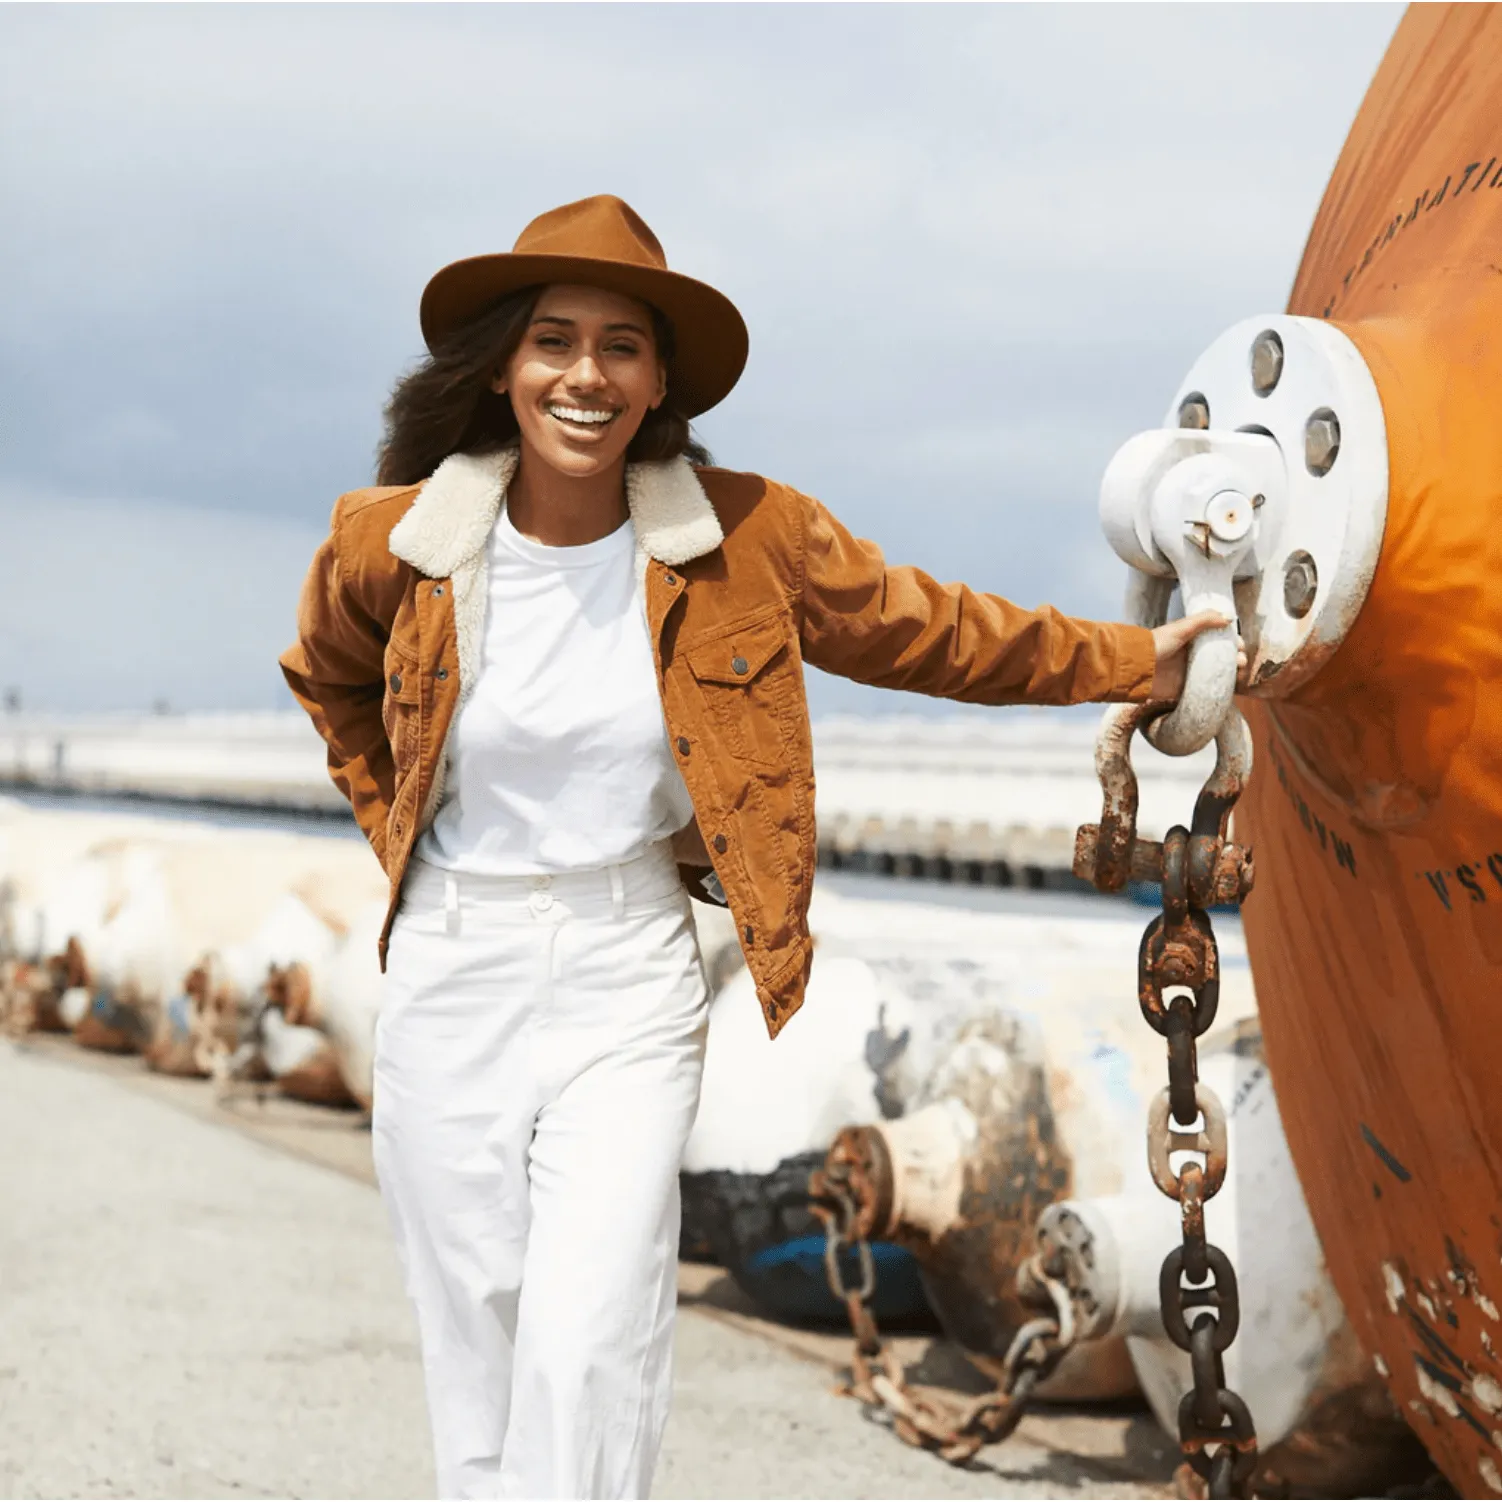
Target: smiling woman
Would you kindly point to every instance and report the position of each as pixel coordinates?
(456, 399)
(558, 661)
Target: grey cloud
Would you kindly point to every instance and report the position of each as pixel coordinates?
(976, 245)
(116, 604)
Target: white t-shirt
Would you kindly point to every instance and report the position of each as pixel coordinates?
(559, 759)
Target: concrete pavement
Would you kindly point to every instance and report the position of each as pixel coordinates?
(192, 1309)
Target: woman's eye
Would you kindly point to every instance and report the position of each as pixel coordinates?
(552, 341)
(623, 347)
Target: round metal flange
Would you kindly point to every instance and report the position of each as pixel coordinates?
(1078, 1246)
(1301, 382)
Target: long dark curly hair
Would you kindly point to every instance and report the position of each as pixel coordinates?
(445, 406)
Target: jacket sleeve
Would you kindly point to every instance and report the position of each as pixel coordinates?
(335, 670)
(895, 627)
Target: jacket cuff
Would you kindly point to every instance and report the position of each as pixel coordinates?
(1136, 663)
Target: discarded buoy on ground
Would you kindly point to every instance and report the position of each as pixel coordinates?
(767, 1112)
(154, 935)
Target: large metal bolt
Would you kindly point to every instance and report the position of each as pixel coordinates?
(1267, 362)
(1300, 584)
(1321, 441)
(1229, 515)
(1194, 411)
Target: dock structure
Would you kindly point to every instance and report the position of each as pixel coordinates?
(958, 799)
(976, 801)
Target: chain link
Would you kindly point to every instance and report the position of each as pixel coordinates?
(1179, 950)
(1195, 867)
(955, 1431)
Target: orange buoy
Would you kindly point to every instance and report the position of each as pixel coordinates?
(1375, 930)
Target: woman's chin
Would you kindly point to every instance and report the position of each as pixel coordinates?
(578, 460)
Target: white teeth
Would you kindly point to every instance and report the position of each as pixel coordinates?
(579, 414)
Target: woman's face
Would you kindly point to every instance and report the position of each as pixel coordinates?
(584, 376)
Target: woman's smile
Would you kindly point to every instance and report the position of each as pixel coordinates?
(590, 421)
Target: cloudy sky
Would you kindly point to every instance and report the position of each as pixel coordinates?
(976, 246)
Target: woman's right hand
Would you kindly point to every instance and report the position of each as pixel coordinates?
(1171, 646)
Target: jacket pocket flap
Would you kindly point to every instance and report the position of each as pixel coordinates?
(739, 657)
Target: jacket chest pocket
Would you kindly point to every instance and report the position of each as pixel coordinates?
(401, 707)
(749, 683)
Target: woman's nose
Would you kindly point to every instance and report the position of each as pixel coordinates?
(586, 375)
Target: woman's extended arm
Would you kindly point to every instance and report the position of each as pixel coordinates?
(896, 627)
(335, 670)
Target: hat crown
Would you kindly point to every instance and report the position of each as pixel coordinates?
(603, 228)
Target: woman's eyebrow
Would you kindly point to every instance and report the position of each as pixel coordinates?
(569, 323)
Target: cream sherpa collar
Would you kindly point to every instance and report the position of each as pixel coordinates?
(449, 523)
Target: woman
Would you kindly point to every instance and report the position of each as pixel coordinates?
(558, 662)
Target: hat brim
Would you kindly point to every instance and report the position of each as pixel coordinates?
(710, 334)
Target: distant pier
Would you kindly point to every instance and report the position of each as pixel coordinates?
(953, 800)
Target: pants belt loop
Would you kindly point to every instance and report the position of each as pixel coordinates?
(450, 903)
(617, 893)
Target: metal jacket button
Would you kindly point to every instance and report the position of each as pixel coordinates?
(737, 664)
(721, 844)
(670, 578)
(396, 683)
(683, 745)
(443, 672)
(438, 589)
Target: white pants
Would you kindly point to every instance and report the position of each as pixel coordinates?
(537, 1070)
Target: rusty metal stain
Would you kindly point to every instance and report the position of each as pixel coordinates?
(1112, 846)
(1018, 1168)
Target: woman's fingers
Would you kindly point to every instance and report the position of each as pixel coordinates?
(1171, 646)
(1172, 639)
(1201, 621)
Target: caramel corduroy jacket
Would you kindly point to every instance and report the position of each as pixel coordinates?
(744, 580)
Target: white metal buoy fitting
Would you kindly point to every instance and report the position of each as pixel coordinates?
(929, 1149)
(1265, 498)
(1111, 1248)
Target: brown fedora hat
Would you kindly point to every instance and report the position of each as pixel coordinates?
(602, 242)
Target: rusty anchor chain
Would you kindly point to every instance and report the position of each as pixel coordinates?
(841, 1196)
(1196, 867)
